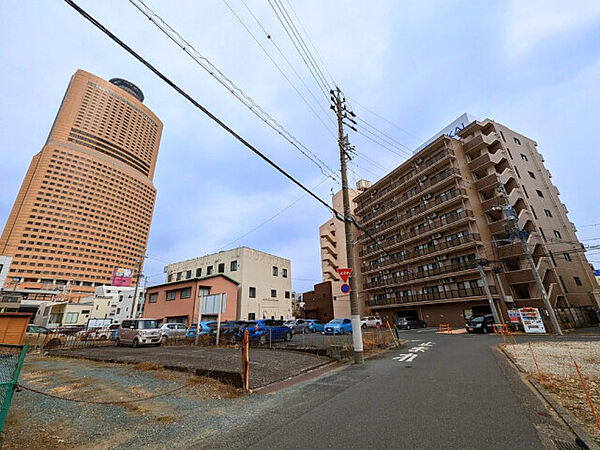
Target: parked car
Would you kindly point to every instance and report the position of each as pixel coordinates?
(36, 336)
(172, 330)
(205, 328)
(266, 330)
(136, 332)
(406, 323)
(480, 324)
(298, 326)
(315, 325)
(338, 326)
(228, 329)
(370, 321)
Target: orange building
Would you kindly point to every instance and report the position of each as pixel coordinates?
(86, 204)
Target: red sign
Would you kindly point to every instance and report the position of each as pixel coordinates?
(344, 273)
(122, 277)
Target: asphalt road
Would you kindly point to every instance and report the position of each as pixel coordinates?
(455, 394)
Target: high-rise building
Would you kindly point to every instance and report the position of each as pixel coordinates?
(442, 210)
(85, 206)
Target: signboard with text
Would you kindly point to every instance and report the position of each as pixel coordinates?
(344, 273)
(122, 277)
(514, 316)
(532, 320)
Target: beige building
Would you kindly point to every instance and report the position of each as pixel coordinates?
(86, 203)
(265, 281)
(442, 210)
(332, 237)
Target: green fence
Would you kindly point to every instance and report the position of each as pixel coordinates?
(11, 360)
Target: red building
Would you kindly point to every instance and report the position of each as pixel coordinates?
(180, 301)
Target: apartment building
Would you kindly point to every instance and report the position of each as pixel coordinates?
(441, 211)
(264, 280)
(122, 305)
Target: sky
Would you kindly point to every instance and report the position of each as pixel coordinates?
(531, 65)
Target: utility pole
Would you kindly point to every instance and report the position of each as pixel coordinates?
(522, 236)
(345, 148)
(497, 271)
(138, 268)
(488, 294)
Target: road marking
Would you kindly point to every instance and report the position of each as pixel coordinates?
(413, 352)
(405, 357)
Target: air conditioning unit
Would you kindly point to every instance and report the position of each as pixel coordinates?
(427, 196)
(441, 257)
(432, 215)
(423, 178)
(449, 280)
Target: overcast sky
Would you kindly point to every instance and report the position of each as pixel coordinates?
(531, 65)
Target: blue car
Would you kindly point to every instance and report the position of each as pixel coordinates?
(266, 330)
(205, 328)
(315, 326)
(338, 326)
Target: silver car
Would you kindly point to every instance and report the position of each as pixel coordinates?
(136, 332)
(298, 326)
(172, 330)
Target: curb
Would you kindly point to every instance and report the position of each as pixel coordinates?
(558, 409)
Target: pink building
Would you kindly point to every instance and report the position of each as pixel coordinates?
(180, 301)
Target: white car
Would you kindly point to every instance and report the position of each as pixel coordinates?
(370, 322)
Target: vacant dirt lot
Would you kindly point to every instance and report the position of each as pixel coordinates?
(559, 376)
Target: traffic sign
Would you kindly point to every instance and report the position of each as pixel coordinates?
(345, 288)
(344, 273)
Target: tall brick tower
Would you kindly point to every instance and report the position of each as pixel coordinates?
(86, 204)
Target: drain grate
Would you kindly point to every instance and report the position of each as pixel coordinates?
(565, 445)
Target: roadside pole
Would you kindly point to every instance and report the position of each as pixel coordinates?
(219, 318)
(344, 146)
(488, 294)
(497, 271)
(200, 304)
(138, 266)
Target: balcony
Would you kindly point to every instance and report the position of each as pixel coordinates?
(329, 248)
(328, 237)
(485, 160)
(431, 297)
(498, 226)
(519, 276)
(481, 141)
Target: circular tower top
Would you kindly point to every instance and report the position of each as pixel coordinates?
(129, 87)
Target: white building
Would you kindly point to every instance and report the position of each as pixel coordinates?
(122, 301)
(4, 267)
(265, 281)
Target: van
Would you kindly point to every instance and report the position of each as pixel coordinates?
(136, 332)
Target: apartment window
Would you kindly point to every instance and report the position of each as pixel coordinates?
(209, 270)
(170, 295)
(525, 191)
(517, 141)
(252, 292)
(543, 235)
(557, 234)
(71, 317)
(179, 275)
(199, 272)
(533, 211)
(251, 316)
(518, 174)
(153, 298)
(548, 213)
(274, 293)
(539, 193)
(275, 271)
(233, 266)
(221, 268)
(284, 273)
(502, 134)
(577, 281)
(524, 157)
(170, 277)
(563, 284)
(531, 174)
(287, 294)
(552, 258)
(186, 293)
(509, 153)
(567, 257)
(188, 275)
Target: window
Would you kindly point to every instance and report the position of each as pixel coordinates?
(284, 273)
(517, 141)
(531, 174)
(274, 293)
(524, 157)
(275, 271)
(557, 234)
(233, 266)
(287, 294)
(188, 275)
(71, 317)
(548, 213)
(153, 298)
(518, 174)
(539, 193)
(509, 153)
(179, 275)
(525, 191)
(251, 316)
(221, 268)
(170, 277)
(567, 256)
(502, 134)
(563, 284)
(577, 281)
(252, 292)
(186, 293)
(543, 235)
(209, 270)
(170, 295)
(533, 211)
(199, 272)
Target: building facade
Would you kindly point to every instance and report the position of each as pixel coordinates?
(86, 203)
(442, 211)
(122, 301)
(190, 300)
(264, 280)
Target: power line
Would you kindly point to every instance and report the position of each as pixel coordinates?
(388, 139)
(230, 86)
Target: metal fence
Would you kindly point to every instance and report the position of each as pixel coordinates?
(576, 317)
(11, 361)
(54, 341)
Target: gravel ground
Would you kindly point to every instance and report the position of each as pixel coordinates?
(559, 376)
(266, 366)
